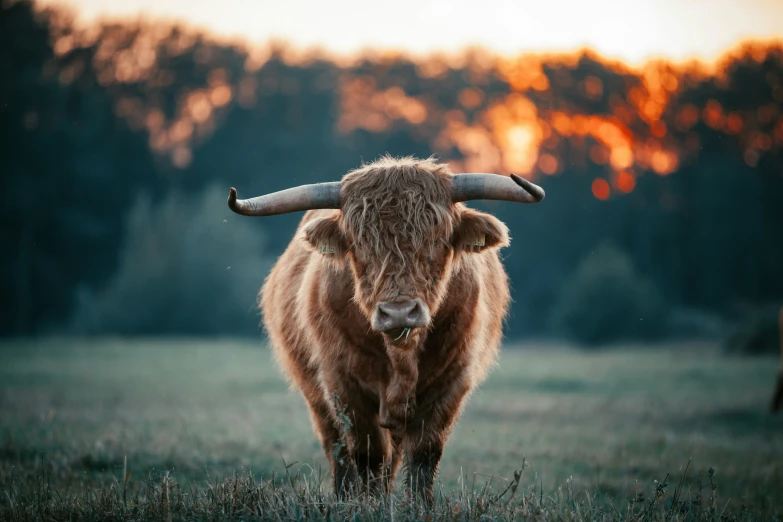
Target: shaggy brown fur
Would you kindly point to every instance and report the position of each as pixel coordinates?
(398, 235)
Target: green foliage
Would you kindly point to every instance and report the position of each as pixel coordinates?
(694, 324)
(70, 168)
(606, 301)
(758, 332)
(83, 136)
(188, 265)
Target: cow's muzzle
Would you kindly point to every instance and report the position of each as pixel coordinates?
(396, 318)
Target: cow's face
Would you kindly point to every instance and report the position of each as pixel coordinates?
(402, 237)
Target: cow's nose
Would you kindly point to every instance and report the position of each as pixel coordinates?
(410, 313)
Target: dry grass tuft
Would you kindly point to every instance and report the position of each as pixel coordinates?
(304, 496)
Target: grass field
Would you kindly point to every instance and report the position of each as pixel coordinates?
(598, 426)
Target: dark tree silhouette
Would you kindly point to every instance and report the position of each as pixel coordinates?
(680, 168)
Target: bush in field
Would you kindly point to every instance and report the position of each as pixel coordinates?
(606, 300)
(695, 324)
(758, 332)
(188, 266)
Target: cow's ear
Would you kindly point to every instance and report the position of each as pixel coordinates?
(478, 231)
(324, 235)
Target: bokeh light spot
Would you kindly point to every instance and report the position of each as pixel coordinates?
(601, 189)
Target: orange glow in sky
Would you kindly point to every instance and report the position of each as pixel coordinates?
(631, 30)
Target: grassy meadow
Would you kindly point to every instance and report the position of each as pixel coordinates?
(196, 429)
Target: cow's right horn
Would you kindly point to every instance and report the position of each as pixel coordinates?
(304, 197)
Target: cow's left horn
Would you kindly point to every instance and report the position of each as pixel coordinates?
(304, 197)
(494, 186)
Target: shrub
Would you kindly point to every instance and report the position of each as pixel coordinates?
(695, 324)
(188, 266)
(757, 332)
(606, 300)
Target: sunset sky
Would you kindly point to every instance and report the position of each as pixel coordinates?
(632, 30)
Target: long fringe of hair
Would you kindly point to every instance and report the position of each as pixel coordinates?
(398, 208)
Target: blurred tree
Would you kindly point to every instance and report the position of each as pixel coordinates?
(70, 168)
(188, 266)
(677, 166)
(606, 301)
(757, 331)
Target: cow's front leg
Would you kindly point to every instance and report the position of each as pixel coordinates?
(426, 437)
(363, 448)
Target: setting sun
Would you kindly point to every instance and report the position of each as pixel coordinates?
(632, 31)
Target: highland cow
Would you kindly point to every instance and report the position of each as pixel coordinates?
(387, 308)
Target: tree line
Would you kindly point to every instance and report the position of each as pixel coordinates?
(120, 140)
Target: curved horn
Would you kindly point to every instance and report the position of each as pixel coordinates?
(494, 186)
(304, 197)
